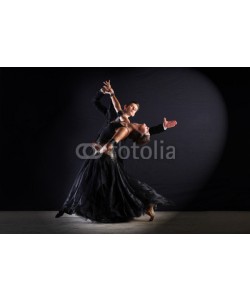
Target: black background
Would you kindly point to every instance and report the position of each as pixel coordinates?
(46, 112)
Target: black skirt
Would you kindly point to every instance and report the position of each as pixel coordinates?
(104, 192)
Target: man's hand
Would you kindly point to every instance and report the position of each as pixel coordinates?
(96, 147)
(169, 124)
(103, 149)
(107, 147)
(125, 119)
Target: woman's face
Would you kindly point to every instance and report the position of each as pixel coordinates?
(143, 129)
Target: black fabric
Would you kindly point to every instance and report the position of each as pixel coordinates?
(104, 192)
(120, 113)
(108, 132)
(112, 142)
(99, 105)
(156, 129)
(109, 112)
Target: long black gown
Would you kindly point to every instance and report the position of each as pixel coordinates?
(104, 192)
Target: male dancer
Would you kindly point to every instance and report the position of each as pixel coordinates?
(130, 109)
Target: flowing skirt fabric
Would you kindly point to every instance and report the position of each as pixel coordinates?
(104, 192)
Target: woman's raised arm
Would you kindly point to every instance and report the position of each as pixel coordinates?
(116, 103)
(110, 91)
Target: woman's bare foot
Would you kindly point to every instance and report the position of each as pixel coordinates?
(150, 212)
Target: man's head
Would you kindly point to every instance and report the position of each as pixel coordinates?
(131, 108)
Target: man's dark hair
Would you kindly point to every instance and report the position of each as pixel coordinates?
(133, 102)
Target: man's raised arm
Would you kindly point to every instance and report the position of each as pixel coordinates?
(97, 102)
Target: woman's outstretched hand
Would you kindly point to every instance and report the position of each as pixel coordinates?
(107, 89)
(169, 124)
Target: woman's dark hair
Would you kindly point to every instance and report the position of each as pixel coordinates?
(133, 102)
(139, 139)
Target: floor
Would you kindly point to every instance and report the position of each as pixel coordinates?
(165, 222)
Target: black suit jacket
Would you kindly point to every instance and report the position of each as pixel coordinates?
(108, 111)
